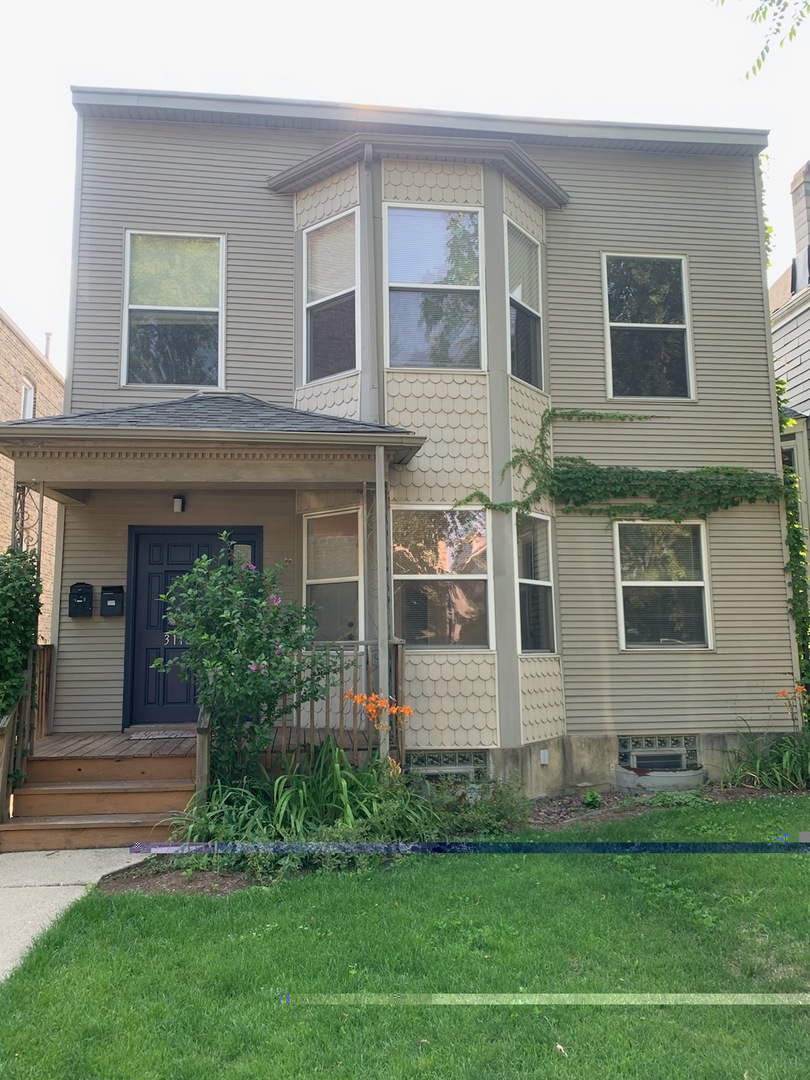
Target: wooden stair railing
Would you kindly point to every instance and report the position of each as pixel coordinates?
(202, 775)
(16, 741)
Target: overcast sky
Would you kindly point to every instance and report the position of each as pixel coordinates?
(655, 61)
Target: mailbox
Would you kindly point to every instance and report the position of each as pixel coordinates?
(112, 600)
(80, 600)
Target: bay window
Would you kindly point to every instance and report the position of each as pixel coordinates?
(332, 574)
(331, 283)
(662, 585)
(440, 569)
(434, 278)
(648, 341)
(173, 332)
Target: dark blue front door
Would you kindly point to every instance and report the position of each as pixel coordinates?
(158, 558)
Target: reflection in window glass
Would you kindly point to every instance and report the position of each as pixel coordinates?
(535, 588)
(333, 574)
(434, 277)
(440, 584)
(331, 274)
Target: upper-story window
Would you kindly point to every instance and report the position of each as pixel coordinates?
(173, 333)
(28, 400)
(523, 258)
(331, 282)
(646, 309)
(434, 284)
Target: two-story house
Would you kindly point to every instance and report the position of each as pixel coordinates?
(319, 326)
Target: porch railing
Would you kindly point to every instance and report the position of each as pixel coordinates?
(304, 726)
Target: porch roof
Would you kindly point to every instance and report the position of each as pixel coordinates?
(203, 417)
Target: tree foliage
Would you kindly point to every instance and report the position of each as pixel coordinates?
(781, 20)
(20, 589)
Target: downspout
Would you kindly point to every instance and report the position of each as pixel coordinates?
(382, 586)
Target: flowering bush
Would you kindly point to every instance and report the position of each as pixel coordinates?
(19, 611)
(247, 650)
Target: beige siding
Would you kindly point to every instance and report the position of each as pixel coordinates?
(725, 689)
(453, 697)
(339, 396)
(523, 211)
(526, 408)
(701, 207)
(542, 698)
(431, 181)
(194, 178)
(451, 409)
(90, 652)
(791, 350)
(308, 502)
(324, 200)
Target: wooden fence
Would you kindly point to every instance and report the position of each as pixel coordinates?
(27, 717)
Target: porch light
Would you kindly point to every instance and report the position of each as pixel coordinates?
(179, 504)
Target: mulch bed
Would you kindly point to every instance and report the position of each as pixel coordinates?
(554, 812)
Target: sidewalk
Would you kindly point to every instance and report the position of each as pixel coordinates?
(37, 886)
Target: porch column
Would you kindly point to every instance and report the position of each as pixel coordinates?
(383, 633)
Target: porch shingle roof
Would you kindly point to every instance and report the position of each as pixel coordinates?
(210, 412)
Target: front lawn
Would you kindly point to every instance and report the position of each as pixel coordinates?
(188, 987)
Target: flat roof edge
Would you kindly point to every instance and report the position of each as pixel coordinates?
(99, 101)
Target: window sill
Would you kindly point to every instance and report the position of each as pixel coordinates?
(328, 378)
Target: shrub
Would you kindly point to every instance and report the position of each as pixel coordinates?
(20, 589)
(592, 800)
(491, 807)
(779, 763)
(247, 650)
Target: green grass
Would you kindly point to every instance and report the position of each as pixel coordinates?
(187, 988)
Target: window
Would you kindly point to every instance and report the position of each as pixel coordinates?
(434, 283)
(173, 318)
(331, 278)
(523, 257)
(663, 586)
(28, 400)
(440, 577)
(535, 592)
(646, 306)
(333, 574)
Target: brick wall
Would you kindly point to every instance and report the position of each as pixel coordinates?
(20, 362)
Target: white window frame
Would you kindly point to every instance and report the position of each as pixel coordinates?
(507, 221)
(422, 287)
(704, 583)
(360, 577)
(305, 379)
(454, 649)
(28, 403)
(535, 581)
(685, 326)
(220, 310)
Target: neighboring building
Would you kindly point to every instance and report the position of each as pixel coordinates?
(29, 387)
(322, 325)
(790, 312)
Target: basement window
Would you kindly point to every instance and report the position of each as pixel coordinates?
(659, 752)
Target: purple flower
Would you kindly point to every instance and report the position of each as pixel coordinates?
(274, 599)
(250, 566)
(279, 649)
(261, 667)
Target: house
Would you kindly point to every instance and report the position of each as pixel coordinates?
(320, 326)
(790, 310)
(29, 387)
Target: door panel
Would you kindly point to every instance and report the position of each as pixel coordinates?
(159, 558)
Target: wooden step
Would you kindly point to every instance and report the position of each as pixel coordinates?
(57, 833)
(54, 769)
(77, 797)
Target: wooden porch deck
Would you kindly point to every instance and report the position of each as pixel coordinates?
(135, 742)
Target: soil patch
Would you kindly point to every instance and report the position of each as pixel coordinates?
(157, 875)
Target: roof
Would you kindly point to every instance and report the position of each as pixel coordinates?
(338, 117)
(217, 414)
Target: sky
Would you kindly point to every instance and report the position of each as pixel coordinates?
(641, 61)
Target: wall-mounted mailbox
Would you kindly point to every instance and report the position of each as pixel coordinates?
(112, 600)
(80, 600)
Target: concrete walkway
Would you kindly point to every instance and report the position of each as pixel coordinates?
(37, 886)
